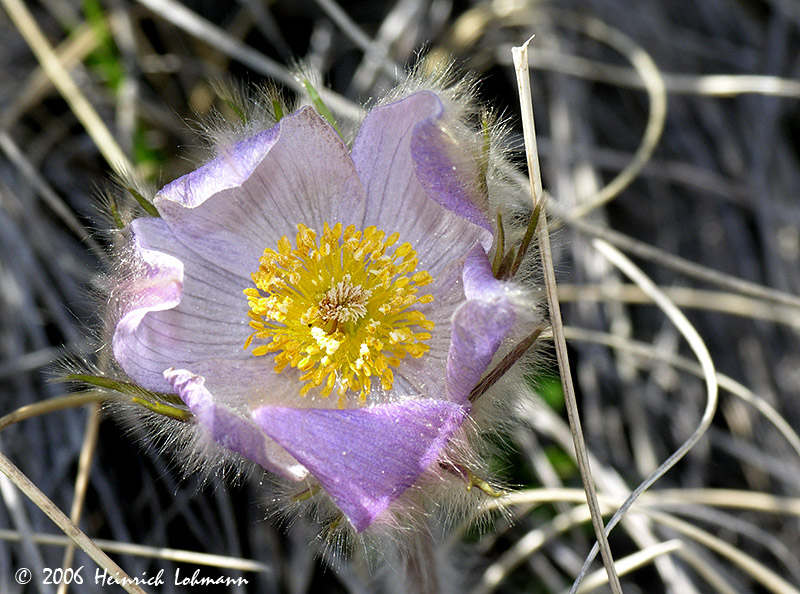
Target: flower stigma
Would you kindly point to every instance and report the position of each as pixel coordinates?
(339, 310)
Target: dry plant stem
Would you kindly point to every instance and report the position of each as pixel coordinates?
(370, 48)
(737, 389)
(18, 515)
(183, 18)
(686, 297)
(686, 267)
(632, 562)
(651, 502)
(654, 84)
(65, 84)
(73, 50)
(523, 80)
(742, 500)
(81, 483)
(534, 540)
(768, 578)
(570, 400)
(504, 365)
(52, 511)
(708, 85)
(53, 200)
(137, 550)
(52, 405)
(697, 345)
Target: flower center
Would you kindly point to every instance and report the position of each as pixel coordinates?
(339, 311)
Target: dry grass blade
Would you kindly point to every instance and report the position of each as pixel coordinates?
(48, 406)
(13, 152)
(710, 85)
(725, 382)
(81, 484)
(712, 218)
(654, 84)
(367, 45)
(521, 65)
(686, 297)
(701, 352)
(164, 553)
(631, 563)
(690, 269)
(498, 571)
(768, 578)
(191, 22)
(66, 525)
(649, 504)
(66, 85)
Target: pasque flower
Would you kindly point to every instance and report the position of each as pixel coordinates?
(323, 311)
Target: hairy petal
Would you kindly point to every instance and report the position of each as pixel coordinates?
(229, 429)
(304, 175)
(180, 309)
(479, 280)
(479, 326)
(447, 171)
(228, 170)
(365, 458)
(396, 200)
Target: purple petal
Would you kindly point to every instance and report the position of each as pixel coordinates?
(364, 458)
(232, 431)
(446, 170)
(478, 328)
(245, 384)
(396, 200)
(181, 309)
(424, 375)
(479, 280)
(228, 170)
(304, 175)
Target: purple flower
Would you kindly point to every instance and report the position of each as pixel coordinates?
(323, 311)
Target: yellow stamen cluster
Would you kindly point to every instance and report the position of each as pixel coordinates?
(339, 311)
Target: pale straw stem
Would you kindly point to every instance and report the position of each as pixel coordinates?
(66, 85)
(68, 527)
(523, 80)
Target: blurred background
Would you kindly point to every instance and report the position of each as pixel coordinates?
(689, 110)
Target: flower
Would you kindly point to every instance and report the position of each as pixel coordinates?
(323, 312)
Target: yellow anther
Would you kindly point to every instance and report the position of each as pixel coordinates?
(284, 246)
(331, 306)
(422, 278)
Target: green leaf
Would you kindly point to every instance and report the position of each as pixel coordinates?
(483, 161)
(148, 206)
(308, 493)
(549, 388)
(236, 109)
(166, 410)
(114, 210)
(320, 105)
(561, 462)
(499, 245)
(106, 59)
(525, 244)
(168, 405)
(277, 109)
